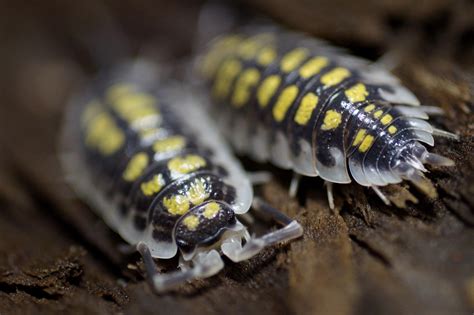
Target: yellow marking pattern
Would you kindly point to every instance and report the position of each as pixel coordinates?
(176, 204)
(293, 59)
(197, 193)
(392, 130)
(266, 56)
(149, 134)
(186, 164)
(249, 48)
(135, 167)
(135, 106)
(284, 101)
(266, 90)
(118, 90)
(211, 210)
(378, 113)
(359, 137)
(248, 79)
(225, 76)
(335, 76)
(332, 119)
(366, 143)
(217, 53)
(369, 108)
(313, 66)
(305, 110)
(103, 134)
(92, 109)
(169, 144)
(357, 93)
(152, 186)
(191, 222)
(386, 119)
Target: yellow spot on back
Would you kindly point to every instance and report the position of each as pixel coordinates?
(335, 76)
(293, 59)
(169, 144)
(386, 119)
(266, 56)
(248, 79)
(191, 222)
(197, 192)
(148, 135)
(313, 66)
(135, 166)
(359, 137)
(133, 100)
(378, 113)
(249, 48)
(211, 210)
(366, 143)
(112, 141)
(225, 76)
(176, 204)
(369, 108)
(306, 107)
(92, 109)
(103, 134)
(284, 101)
(392, 129)
(332, 119)
(152, 186)
(220, 50)
(135, 106)
(357, 93)
(267, 89)
(118, 90)
(186, 164)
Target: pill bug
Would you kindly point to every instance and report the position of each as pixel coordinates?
(160, 176)
(303, 105)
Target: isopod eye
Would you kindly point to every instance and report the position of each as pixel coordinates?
(203, 226)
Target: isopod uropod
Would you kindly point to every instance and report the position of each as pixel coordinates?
(158, 173)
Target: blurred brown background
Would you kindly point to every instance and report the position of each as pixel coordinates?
(56, 256)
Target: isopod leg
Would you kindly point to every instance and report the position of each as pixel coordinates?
(233, 248)
(205, 264)
(445, 134)
(329, 190)
(294, 185)
(381, 195)
(259, 178)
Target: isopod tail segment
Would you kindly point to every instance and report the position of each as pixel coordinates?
(236, 246)
(409, 165)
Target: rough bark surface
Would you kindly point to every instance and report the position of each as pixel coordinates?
(56, 256)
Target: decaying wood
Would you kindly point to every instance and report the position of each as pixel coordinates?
(363, 258)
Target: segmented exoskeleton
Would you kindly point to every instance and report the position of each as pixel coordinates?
(159, 174)
(303, 105)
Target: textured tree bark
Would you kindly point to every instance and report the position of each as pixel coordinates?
(365, 257)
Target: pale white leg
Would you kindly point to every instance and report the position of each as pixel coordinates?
(294, 185)
(233, 248)
(445, 134)
(205, 264)
(432, 110)
(259, 178)
(329, 190)
(388, 61)
(381, 195)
